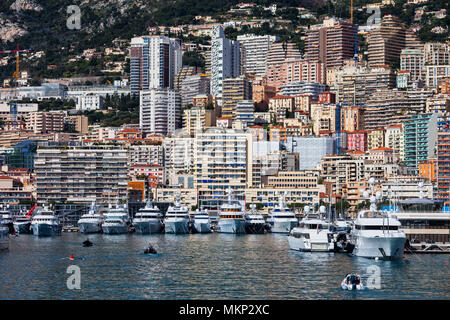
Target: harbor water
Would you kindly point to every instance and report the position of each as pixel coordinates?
(205, 266)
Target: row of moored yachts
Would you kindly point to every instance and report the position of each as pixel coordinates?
(373, 234)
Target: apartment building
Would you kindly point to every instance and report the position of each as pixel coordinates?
(81, 174)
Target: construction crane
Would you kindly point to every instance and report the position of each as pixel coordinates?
(16, 73)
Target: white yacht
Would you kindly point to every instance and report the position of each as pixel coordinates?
(376, 234)
(177, 218)
(231, 216)
(281, 219)
(92, 221)
(202, 222)
(116, 220)
(4, 236)
(45, 223)
(22, 224)
(149, 219)
(255, 223)
(7, 218)
(313, 234)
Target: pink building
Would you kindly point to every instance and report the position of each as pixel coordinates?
(288, 71)
(357, 141)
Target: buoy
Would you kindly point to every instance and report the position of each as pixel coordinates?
(71, 257)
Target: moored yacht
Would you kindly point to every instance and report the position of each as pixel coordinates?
(4, 236)
(281, 219)
(7, 218)
(116, 220)
(92, 221)
(45, 223)
(149, 219)
(231, 216)
(313, 234)
(376, 233)
(255, 222)
(22, 224)
(202, 222)
(177, 218)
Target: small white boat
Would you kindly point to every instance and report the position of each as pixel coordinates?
(352, 282)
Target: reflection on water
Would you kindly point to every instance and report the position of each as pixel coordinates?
(204, 266)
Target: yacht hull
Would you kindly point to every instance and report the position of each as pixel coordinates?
(255, 228)
(308, 245)
(231, 226)
(4, 239)
(201, 227)
(90, 227)
(148, 227)
(389, 248)
(22, 227)
(176, 227)
(119, 229)
(282, 226)
(46, 230)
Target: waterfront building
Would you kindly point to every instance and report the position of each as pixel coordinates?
(81, 174)
(223, 159)
(159, 111)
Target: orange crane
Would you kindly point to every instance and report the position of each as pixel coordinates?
(16, 73)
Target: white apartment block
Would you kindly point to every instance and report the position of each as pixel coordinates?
(146, 154)
(254, 53)
(89, 102)
(159, 111)
(225, 58)
(223, 159)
